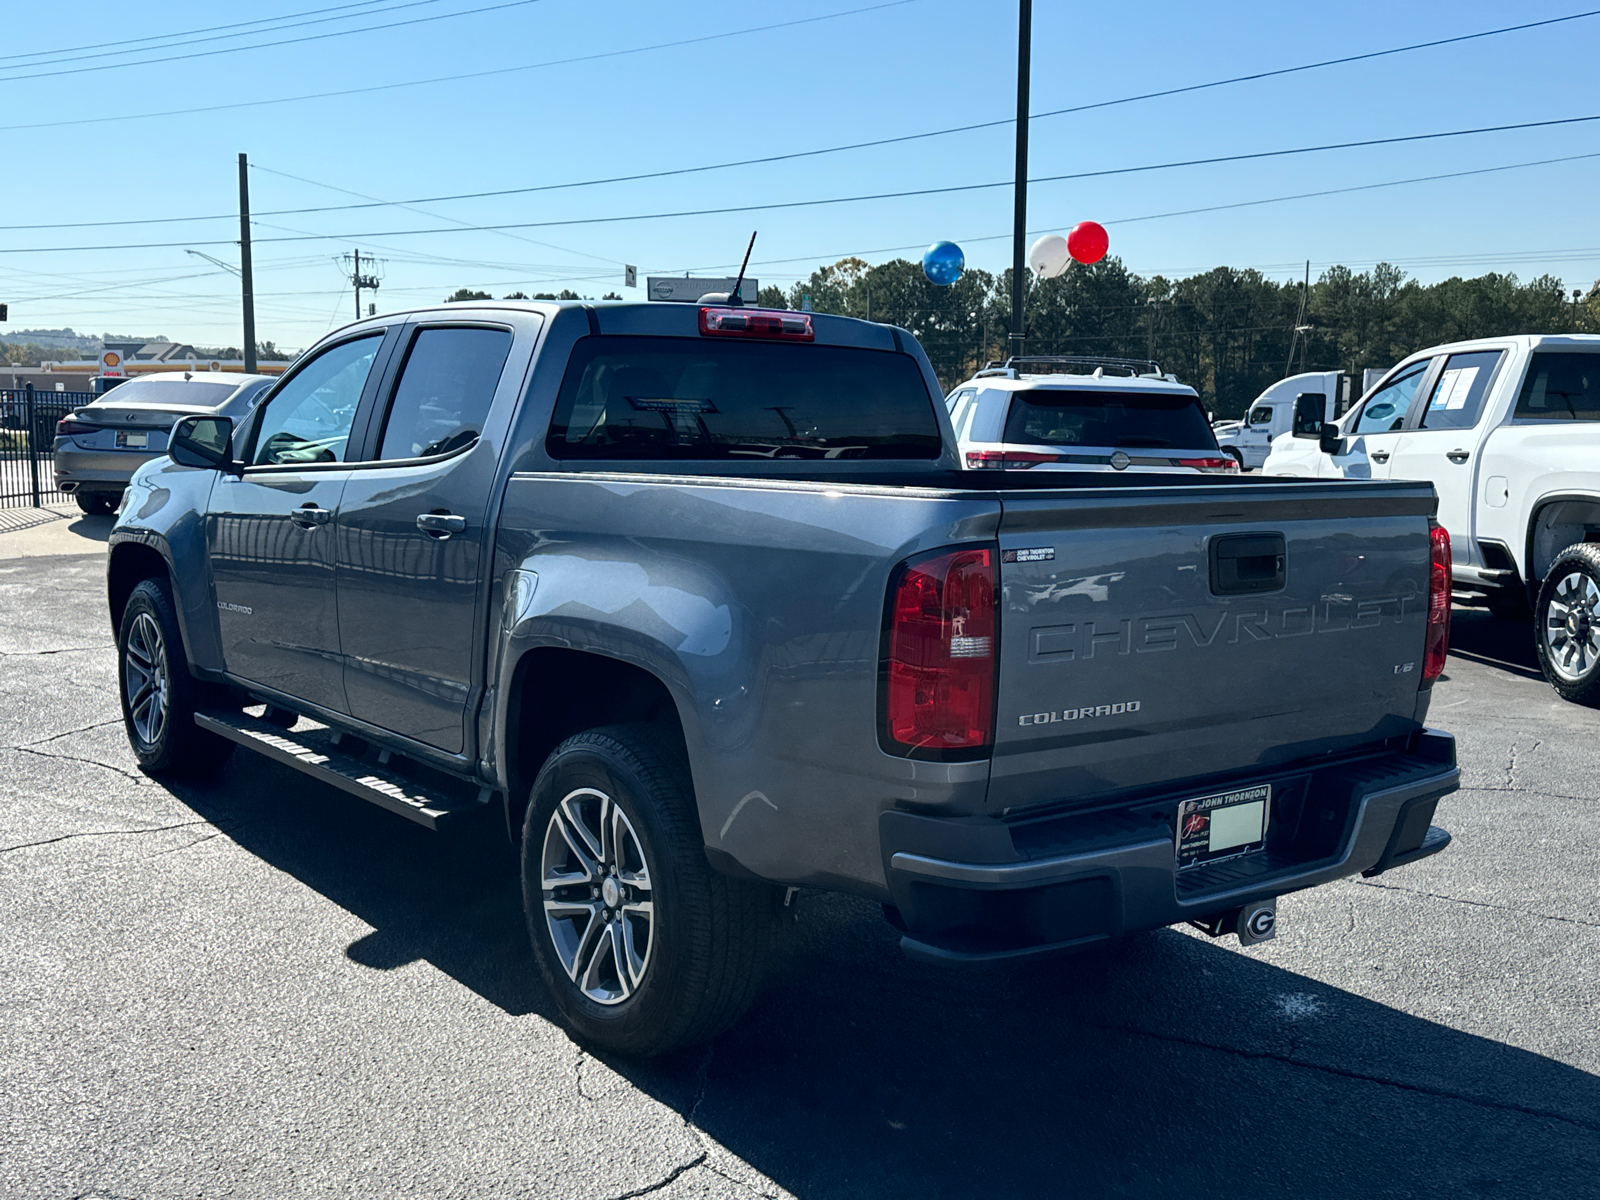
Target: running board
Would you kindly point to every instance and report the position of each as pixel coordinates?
(314, 752)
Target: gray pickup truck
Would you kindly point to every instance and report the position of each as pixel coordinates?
(697, 597)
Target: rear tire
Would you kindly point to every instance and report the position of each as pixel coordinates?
(1236, 454)
(1567, 624)
(159, 695)
(643, 946)
(95, 504)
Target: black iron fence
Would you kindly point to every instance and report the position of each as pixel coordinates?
(27, 444)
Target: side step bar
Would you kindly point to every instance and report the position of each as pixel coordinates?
(314, 752)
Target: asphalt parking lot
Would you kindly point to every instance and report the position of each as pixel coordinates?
(260, 987)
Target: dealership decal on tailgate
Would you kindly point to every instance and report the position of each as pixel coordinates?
(1223, 826)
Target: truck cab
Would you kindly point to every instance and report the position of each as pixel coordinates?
(1272, 413)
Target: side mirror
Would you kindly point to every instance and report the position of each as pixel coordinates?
(1309, 408)
(202, 442)
(1328, 440)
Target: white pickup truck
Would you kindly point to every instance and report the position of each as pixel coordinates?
(1248, 442)
(1507, 430)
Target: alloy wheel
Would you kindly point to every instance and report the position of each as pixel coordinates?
(146, 679)
(1572, 627)
(597, 899)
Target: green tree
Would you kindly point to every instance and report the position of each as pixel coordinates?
(771, 297)
(466, 294)
(517, 296)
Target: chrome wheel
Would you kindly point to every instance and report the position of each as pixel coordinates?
(1572, 627)
(146, 679)
(597, 899)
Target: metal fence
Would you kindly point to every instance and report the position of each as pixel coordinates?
(27, 444)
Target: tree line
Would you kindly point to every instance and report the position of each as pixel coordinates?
(1228, 332)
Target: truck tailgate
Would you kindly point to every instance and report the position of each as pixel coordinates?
(1154, 635)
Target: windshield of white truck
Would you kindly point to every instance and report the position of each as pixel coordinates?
(694, 398)
(1062, 417)
(1561, 387)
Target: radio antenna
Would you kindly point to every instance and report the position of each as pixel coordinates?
(733, 296)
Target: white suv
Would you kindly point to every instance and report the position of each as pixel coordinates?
(1082, 414)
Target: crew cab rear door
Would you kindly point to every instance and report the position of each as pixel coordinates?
(413, 528)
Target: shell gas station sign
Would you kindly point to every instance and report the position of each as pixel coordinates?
(111, 365)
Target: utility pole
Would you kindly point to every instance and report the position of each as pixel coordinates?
(1019, 252)
(245, 281)
(370, 282)
(1300, 325)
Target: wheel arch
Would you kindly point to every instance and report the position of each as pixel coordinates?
(1555, 522)
(555, 692)
(129, 564)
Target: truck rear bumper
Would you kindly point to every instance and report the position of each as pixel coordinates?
(977, 890)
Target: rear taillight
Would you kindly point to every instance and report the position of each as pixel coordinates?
(1225, 463)
(941, 654)
(1014, 460)
(69, 425)
(1437, 646)
(771, 324)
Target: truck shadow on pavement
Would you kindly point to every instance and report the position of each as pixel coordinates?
(1168, 1065)
(1479, 636)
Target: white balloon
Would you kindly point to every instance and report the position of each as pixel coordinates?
(1049, 257)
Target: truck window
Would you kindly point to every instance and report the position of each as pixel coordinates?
(1260, 416)
(1386, 408)
(1457, 398)
(308, 421)
(1073, 417)
(444, 391)
(693, 398)
(1561, 387)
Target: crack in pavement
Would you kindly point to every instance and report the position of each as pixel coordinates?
(1522, 791)
(671, 1178)
(1521, 912)
(188, 845)
(137, 778)
(59, 650)
(103, 833)
(1358, 1076)
(58, 736)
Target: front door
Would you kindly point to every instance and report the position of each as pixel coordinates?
(412, 535)
(270, 531)
(1374, 431)
(1444, 447)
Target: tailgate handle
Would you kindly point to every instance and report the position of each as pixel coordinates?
(1246, 562)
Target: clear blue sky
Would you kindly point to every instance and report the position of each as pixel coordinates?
(914, 66)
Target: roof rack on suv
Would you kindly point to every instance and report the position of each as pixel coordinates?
(1070, 364)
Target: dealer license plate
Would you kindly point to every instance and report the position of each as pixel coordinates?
(1225, 825)
(132, 441)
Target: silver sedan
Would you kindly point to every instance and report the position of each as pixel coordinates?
(98, 447)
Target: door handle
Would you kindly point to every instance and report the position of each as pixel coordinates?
(1380, 456)
(309, 515)
(441, 524)
(1457, 456)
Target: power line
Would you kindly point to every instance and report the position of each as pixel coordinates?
(189, 37)
(177, 112)
(310, 37)
(463, 226)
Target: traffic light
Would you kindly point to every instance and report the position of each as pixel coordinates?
(2, 312)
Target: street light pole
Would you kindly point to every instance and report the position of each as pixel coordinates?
(1019, 233)
(247, 283)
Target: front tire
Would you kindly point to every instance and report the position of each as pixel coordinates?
(1567, 624)
(159, 695)
(643, 946)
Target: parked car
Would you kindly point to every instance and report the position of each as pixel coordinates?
(1077, 414)
(1508, 432)
(1271, 414)
(692, 681)
(101, 444)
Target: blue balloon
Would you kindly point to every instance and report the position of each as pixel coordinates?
(943, 263)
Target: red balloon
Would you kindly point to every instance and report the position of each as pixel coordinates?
(1088, 242)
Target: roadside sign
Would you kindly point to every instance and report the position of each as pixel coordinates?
(630, 276)
(677, 289)
(111, 365)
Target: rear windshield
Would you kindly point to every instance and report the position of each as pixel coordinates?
(168, 391)
(696, 398)
(1561, 387)
(1059, 417)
